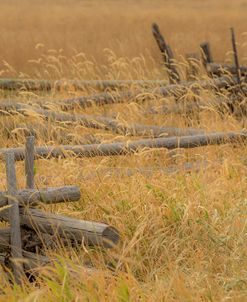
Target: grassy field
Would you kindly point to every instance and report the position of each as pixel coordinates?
(183, 234)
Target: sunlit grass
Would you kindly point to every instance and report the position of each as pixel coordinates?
(183, 234)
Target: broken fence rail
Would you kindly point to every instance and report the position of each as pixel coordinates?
(79, 231)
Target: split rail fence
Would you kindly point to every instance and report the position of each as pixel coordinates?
(32, 230)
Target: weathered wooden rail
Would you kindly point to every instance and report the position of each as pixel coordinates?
(47, 85)
(77, 231)
(32, 197)
(138, 95)
(125, 148)
(100, 122)
(37, 225)
(219, 69)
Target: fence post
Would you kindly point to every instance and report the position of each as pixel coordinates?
(29, 162)
(206, 54)
(14, 218)
(167, 54)
(235, 56)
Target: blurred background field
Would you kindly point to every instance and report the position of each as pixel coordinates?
(31, 28)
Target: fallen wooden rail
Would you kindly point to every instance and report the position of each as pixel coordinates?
(33, 262)
(140, 95)
(100, 122)
(79, 231)
(219, 69)
(123, 148)
(46, 85)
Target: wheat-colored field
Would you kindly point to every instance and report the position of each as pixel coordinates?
(183, 232)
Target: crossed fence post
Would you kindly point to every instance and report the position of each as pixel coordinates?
(14, 213)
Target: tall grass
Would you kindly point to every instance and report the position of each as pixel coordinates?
(90, 27)
(183, 235)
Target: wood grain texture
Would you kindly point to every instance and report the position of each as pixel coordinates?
(123, 148)
(176, 90)
(167, 54)
(101, 122)
(79, 231)
(29, 162)
(36, 85)
(14, 217)
(33, 197)
(107, 98)
(32, 261)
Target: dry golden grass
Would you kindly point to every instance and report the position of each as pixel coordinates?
(183, 235)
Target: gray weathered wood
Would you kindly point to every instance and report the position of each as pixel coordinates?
(29, 162)
(166, 53)
(101, 122)
(106, 98)
(235, 56)
(31, 241)
(33, 197)
(79, 231)
(32, 262)
(13, 217)
(125, 96)
(36, 84)
(219, 69)
(123, 148)
(206, 54)
(52, 131)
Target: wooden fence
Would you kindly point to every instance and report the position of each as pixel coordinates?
(46, 229)
(40, 227)
(125, 148)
